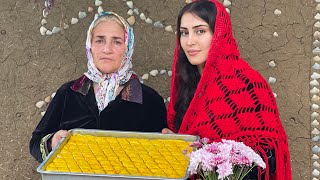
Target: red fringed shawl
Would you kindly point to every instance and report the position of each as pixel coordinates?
(233, 101)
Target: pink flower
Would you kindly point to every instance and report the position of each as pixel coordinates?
(213, 147)
(200, 143)
(224, 170)
(220, 157)
(238, 159)
(204, 140)
(207, 162)
(196, 144)
(195, 160)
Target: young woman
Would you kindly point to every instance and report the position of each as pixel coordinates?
(216, 94)
(108, 96)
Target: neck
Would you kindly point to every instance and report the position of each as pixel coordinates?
(200, 68)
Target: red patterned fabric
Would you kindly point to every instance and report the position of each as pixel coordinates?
(233, 101)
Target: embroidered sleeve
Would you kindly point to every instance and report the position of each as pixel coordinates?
(44, 146)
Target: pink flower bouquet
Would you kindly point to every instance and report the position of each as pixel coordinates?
(223, 160)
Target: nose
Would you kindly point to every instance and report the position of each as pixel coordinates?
(191, 39)
(107, 48)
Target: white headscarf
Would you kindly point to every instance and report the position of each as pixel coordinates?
(108, 84)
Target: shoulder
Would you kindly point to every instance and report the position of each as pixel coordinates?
(149, 92)
(66, 87)
(243, 70)
(80, 84)
(253, 75)
(62, 92)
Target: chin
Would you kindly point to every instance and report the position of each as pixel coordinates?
(195, 63)
(105, 71)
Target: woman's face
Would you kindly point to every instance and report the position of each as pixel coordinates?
(195, 39)
(108, 46)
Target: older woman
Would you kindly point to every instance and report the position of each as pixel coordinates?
(216, 94)
(108, 96)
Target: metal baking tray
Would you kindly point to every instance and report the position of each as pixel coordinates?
(49, 175)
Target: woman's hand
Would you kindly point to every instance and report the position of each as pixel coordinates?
(166, 131)
(57, 137)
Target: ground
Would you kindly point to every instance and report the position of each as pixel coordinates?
(33, 66)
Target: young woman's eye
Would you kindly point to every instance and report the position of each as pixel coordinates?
(184, 33)
(201, 31)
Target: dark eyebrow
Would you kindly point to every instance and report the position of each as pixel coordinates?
(114, 37)
(100, 37)
(194, 27)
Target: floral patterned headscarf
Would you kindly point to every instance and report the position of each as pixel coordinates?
(108, 84)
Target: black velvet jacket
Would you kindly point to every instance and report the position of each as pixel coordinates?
(74, 106)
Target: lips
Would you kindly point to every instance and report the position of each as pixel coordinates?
(106, 59)
(193, 52)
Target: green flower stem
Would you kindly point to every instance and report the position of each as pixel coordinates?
(239, 172)
(246, 172)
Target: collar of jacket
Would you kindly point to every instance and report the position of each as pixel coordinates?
(132, 90)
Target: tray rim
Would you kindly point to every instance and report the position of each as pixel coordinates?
(77, 130)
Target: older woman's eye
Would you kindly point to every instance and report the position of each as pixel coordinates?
(117, 42)
(99, 41)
